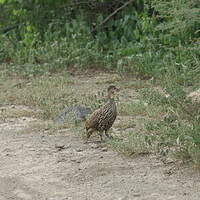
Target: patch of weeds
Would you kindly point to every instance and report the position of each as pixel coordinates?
(133, 144)
(156, 112)
(132, 109)
(194, 154)
(3, 76)
(50, 94)
(176, 137)
(137, 84)
(153, 96)
(17, 112)
(113, 78)
(176, 129)
(125, 124)
(141, 109)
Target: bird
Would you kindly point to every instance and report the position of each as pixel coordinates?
(102, 119)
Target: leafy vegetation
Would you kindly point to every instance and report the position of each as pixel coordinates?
(145, 37)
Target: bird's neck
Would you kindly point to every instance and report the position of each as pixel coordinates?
(110, 99)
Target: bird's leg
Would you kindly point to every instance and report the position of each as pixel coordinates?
(88, 134)
(101, 136)
(107, 135)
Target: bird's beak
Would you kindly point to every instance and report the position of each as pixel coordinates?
(117, 89)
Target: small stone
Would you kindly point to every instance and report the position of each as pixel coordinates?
(94, 146)
(75, 160)
(79, 150)
(144, 174)
(104, 149)
(136, 194)
(60, 147)
(61, 160)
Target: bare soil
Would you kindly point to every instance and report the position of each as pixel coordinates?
(36, 165)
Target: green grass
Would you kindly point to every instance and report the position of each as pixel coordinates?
(141, 108)
(133, 144)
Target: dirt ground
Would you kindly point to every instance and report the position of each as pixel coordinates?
(35, 166)
(42, 166)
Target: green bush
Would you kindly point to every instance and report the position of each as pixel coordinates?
(154, 38)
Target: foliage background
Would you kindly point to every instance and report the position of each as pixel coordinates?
(146, 37)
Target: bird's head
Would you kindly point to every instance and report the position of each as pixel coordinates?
(112, 90)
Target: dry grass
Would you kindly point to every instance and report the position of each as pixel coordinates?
(46, 93)
(45, 96)
(18, 112)
(140, 128)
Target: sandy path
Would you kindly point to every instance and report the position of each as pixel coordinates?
(32, 167)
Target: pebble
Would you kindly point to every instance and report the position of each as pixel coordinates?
(79, 150)
(94, 146)
(60, 147)
(136, 194)
(61, 160)
(75, 160)
(104, 149)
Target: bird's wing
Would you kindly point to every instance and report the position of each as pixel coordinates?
(92, 122)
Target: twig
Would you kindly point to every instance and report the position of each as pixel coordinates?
(112, 14)
(10, 28)
(115, 12)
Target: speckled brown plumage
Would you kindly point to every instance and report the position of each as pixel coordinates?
(102, 119)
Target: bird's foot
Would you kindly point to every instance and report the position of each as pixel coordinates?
(109, 136)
